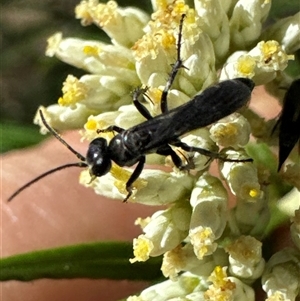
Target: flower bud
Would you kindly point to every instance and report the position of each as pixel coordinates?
(231, 131)
(246, 22)
(245, 258)
(209, 202)
(123, 25)
(166, 230)
(281, 278)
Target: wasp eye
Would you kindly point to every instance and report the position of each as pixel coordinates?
(98, 158)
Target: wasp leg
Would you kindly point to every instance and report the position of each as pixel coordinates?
(112, 128)
(175, 68)
(141, 108)
(208, 153)
(134, 176)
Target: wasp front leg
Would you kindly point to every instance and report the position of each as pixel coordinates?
(134, 176)
(112, 128)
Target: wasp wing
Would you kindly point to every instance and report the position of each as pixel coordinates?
(204, 109)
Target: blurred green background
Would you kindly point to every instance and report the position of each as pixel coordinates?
(28, 77)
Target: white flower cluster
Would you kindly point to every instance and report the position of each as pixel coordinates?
(211, 251)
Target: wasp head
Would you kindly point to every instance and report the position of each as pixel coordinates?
(98, 158)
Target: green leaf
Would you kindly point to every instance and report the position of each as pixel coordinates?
(109, 260)
(18, 136)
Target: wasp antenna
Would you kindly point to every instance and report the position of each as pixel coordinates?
(57, 136)
(77, 164)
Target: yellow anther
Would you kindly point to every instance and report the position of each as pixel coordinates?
(91, 50)
(246, 66)
(91, 125)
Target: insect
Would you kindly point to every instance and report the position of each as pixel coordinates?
(156, 134)
(289, 122)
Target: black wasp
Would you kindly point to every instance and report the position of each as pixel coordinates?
(289, 122)
(156, 134)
